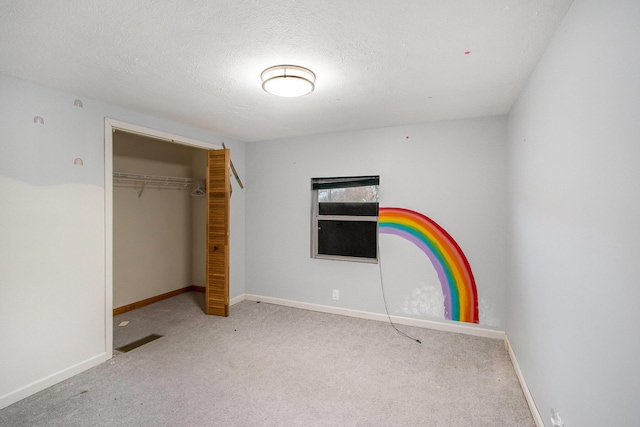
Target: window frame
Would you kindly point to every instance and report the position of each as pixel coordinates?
(368, 180)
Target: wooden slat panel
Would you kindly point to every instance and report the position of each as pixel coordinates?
(218, 193)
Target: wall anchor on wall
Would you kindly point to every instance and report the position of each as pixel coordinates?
(39, 120)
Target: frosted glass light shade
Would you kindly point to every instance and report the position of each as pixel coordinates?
(288, 80)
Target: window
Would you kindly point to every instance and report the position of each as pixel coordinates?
(344, 218)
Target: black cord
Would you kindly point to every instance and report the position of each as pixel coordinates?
(384, 298)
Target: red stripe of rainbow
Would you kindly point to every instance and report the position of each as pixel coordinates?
(454, 271)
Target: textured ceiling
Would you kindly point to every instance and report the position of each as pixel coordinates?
(378, 62)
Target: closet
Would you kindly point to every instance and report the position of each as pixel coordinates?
(160, 214)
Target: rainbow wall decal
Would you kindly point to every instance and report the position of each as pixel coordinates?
(454, 271)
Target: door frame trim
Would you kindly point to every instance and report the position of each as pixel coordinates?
(110, 125)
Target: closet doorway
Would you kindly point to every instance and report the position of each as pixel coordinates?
(166, 234)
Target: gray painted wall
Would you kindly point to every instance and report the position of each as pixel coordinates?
(453, 172)
(574, 207)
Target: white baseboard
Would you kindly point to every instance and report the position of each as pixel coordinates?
(420, 323)
(39, 385)
(525, 389)
(234, 301)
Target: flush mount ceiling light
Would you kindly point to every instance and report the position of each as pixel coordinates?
(288, 80)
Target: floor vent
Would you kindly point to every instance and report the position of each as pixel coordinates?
(138, 343)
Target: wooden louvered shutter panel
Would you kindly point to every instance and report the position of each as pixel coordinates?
(218, 193)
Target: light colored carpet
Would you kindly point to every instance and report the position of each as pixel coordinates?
(268, 365)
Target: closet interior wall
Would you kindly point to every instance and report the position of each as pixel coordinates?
(158, 232)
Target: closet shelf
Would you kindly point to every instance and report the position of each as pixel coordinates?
(123, 178)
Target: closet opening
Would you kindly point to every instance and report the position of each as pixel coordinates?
(158, 220)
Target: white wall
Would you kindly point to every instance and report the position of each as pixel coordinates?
(52, 222)
(453, 172)
(574, 209)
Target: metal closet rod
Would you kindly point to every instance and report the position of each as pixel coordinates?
(134, 178)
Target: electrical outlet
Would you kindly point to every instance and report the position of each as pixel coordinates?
(556, 421)
(336, 295)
